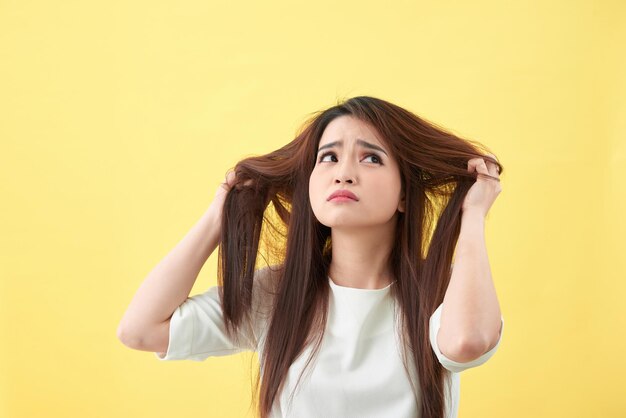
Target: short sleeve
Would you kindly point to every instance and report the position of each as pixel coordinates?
(197, 329)
(454, 366)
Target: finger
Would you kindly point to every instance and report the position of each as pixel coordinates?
(486, 168)
(478, 165)
(493, 168)
(230, 177)
(471, 165)
(481, 167)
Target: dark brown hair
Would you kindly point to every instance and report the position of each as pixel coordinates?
(435, 180)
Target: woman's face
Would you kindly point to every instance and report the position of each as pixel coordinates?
(343, 161)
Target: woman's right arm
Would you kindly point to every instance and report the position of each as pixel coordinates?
(145, 324)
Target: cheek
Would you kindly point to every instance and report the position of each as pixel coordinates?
(313, 189)
(389, 188)
(314, 196)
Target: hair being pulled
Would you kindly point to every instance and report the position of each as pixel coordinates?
(275, 210)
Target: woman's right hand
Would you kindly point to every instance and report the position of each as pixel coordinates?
(220, 195)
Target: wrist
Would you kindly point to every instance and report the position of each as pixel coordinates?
(473, 213)
(473, 216)
(213, 216)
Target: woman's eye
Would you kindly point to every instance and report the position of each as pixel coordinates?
(377, 159)
(325, 155)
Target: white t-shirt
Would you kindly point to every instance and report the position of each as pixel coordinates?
(358, 371)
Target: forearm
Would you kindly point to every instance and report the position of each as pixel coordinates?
(470, 318)
(168, 285)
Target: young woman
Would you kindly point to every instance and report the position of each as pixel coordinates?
(369, 204)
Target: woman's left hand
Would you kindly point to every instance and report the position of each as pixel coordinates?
(484, 191)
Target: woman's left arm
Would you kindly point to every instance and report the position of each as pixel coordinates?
(471, 316)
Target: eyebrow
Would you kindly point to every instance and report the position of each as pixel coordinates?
(361, 142)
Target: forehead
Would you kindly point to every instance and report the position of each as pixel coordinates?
(349, 127)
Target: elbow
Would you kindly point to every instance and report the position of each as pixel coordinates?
(128, 339)
(467, 347)
(467, 350)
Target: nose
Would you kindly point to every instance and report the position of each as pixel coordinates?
(348, 180)
(345, 172)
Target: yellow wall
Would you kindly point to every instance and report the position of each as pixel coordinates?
(119, 119)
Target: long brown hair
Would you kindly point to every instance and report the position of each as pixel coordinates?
(435, 180)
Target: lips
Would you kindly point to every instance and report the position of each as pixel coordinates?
(343, 193)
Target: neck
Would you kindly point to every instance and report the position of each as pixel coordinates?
(360, 257)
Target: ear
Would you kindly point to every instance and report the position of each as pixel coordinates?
(401, 206)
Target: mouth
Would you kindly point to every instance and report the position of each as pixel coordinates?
(342, 199)
(342, 195)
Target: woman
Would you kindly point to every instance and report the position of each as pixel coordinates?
(369, 204)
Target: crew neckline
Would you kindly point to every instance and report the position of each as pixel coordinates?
(359, 289)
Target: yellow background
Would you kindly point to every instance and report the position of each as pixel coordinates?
(119, 119)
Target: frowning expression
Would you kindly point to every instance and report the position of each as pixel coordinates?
(352, 157)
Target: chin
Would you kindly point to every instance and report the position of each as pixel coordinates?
(342, 222)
